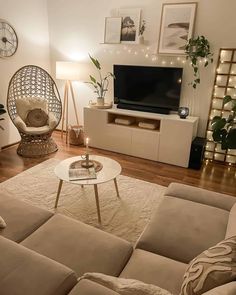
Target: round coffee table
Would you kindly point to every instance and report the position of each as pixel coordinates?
(110, 170)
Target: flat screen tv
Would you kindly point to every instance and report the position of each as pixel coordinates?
(147, 88)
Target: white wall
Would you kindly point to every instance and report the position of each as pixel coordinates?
(30, 20)
(77, 27)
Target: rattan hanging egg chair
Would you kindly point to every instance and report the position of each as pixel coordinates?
(34, 106)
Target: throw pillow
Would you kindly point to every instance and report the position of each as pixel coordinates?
(2, 223)
(212, 268)
(36, 118)
(125, 286)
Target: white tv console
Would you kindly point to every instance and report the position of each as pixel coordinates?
(169, 143)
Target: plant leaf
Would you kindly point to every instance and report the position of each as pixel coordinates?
(92, 79)
(231, 139)
(218, 123)
(227, 99)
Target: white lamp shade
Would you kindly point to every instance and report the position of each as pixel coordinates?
(67, 70)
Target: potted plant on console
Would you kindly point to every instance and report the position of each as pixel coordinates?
(101, 84)
(224, 129)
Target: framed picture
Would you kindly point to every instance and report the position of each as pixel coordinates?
(112, 30)
(130, 25)
(177, 22)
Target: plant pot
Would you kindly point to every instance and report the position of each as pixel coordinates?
(100, 101)
(140, 39)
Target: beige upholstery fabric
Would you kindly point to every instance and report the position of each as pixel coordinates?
(182, 229)
(25, 104)
(200, 195)
(86, 287)
(154, 269)
(20, 124)
(24, 272)
(52, 120)
(2, 223)
(125, 286)
(79, 246)
(227, 289)
(214, 267)
(231, 227)
(36, 118)
(21, 218)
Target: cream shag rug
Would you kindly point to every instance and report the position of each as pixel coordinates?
(125, 217)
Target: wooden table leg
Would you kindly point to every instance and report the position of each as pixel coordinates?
(97, 202)
(116, 186)
(58, 192)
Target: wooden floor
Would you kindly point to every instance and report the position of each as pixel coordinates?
(214, 177)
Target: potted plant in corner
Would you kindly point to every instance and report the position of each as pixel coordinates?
(198, 49)
(2, 111)
(100, 85)
(224, 129)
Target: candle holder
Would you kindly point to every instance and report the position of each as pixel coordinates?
(86, 163)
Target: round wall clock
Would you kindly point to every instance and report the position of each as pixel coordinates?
(8, 39)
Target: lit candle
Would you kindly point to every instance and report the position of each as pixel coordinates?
(87, 142)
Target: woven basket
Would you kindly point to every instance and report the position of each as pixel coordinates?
(76, 135)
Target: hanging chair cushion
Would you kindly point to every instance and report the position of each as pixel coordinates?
(36, 118)
(26, 104)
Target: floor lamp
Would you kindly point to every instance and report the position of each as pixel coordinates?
(68, 71)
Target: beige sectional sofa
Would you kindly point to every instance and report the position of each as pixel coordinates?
(44, 253)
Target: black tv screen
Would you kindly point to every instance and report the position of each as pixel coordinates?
(147, 88)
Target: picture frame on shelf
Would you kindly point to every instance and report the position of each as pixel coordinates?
(112, 32)
(176, 28)
(130, 25)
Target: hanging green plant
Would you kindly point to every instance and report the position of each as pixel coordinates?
(198, 49)
(224, 129)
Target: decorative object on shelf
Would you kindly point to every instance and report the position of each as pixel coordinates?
(224, 129)
(32, 87)
(101, 86)
(68, 71)
(198, 49)
(8, 39)
(112, 30)
(141, 32)
(183, 112)
(222, 107)
(106, 105)
(2, 111)
(176, 29)
(130, 25)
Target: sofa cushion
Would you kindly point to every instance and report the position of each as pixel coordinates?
(24, 272)
(227, 289)
(21, 218)
(182, 229)
(86, 287)
(214, 267)
(155, 269)
(125, 286)
(200, 195)
(79, 246)
(2, 223)
(231, 227)
(25, 104)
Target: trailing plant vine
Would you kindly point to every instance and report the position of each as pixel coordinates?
(198, 49)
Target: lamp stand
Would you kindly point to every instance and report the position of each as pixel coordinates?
(68, 88)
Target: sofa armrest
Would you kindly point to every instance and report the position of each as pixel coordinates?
(227, 289)
(200, 195)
